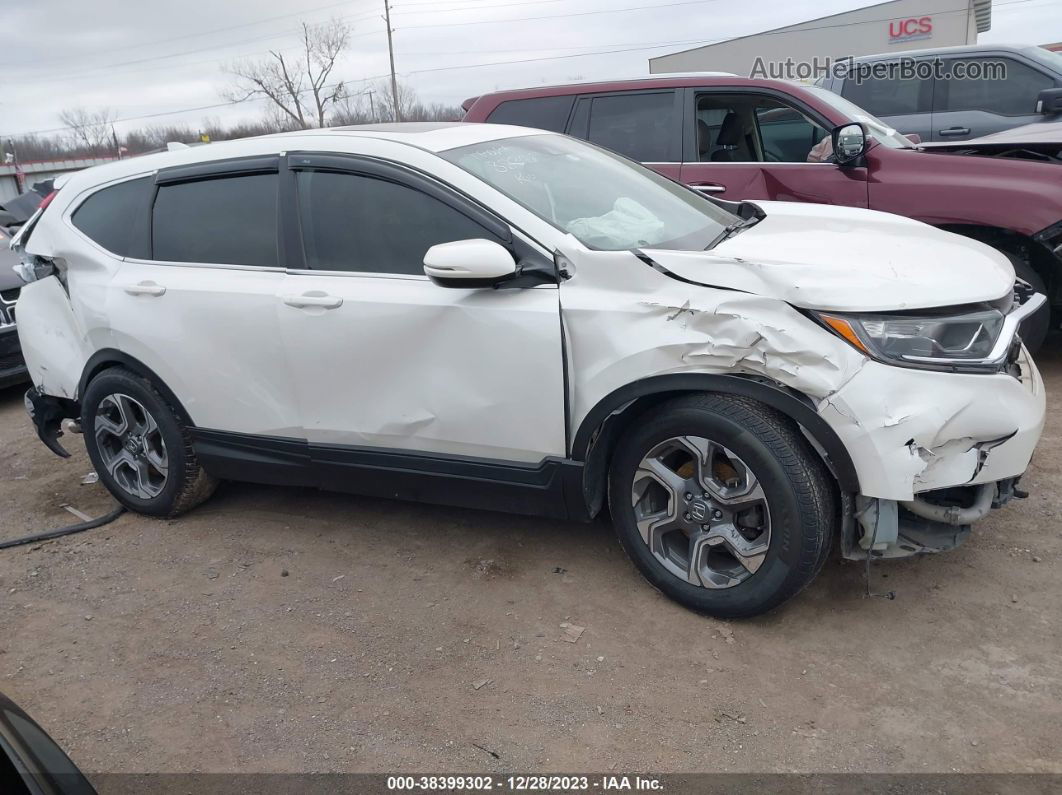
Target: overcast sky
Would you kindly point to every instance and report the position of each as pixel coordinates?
(156, 56)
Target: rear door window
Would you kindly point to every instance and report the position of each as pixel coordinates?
(227, 220)
(108, 216)
(643, 126)
(544, 113)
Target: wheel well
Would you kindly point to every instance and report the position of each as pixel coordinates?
(108, 358)
(1039, 258)
(595, 441)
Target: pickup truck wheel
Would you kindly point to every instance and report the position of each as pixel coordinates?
(722, 504)
(140, 447)
(1034, 329)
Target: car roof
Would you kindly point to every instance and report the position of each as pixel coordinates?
(429, 136)
(958, 49)
(677, 80)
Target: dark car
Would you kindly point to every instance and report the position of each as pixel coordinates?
(12, 366)
(30, 761)
(740, 138)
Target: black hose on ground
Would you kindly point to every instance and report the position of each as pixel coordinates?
(80, 527)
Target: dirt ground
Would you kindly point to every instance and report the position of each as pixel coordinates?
(286, 630)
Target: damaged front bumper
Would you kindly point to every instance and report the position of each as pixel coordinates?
(935, 452)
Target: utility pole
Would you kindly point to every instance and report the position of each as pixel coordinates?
(372, 104)
(391, 55)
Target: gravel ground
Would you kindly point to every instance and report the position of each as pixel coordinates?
(286, 630)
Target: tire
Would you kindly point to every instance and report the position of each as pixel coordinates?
(1034, 329)
(797, 499)
(140, 446)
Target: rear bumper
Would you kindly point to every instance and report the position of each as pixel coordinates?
(48, 413)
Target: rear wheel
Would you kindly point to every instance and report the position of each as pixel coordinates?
(140, 446)
(722, 504)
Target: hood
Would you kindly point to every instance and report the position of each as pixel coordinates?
(843, 259)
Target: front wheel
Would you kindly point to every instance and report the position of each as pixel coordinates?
(722, 504)
(140, 446)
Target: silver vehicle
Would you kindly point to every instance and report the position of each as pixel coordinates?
(942, 101)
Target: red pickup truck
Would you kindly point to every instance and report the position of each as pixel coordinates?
(739, 138)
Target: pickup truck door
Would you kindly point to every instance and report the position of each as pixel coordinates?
(741, 144)
(969, 108)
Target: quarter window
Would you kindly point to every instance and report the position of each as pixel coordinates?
(641, 126)
(352, 222)
(108, 216)
(224, 221)
(545, 113)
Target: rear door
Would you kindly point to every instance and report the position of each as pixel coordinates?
(197, 299)
(984, 95)
(386, 362)
(741, 144)
(643, 125)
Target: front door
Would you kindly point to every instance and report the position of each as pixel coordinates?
(743, 145)
(388, 362)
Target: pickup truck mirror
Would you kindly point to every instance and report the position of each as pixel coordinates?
(849, 142)
(1049, 101)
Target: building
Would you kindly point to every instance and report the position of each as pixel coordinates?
(886, 27)
(40, 171)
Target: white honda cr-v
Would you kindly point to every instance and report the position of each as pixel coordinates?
(497, 317)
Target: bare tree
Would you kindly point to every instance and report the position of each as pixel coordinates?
(376, 103)
(297, 87)
(90, 130)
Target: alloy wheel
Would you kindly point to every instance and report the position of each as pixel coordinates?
(131, 446)
(701, 511)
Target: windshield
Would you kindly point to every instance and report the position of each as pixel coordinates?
(879, 130)
(607, 202)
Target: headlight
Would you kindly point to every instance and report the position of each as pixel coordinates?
(946, 341)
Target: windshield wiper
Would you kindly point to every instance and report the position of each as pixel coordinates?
(731, 230)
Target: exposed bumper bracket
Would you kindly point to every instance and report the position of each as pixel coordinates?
(48, 413)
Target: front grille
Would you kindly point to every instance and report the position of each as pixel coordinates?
(7, 306)
(10, 360)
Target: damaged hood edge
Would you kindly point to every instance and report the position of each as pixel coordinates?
(846, 259)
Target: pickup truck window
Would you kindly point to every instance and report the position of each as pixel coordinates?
(889, 95)
(879, 130)
(1014, 96)
(605, 201)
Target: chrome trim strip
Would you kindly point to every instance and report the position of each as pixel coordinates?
(1003, 342)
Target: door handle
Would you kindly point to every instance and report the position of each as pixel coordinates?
(708, 187)
(954, 131)
(145, 288)
(313, 298)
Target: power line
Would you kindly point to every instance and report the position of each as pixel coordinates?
(532, 60)
(565, 15)
(197, 34)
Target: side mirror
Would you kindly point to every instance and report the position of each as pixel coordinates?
(1049, 101)
(849, 142)
(469, 263)
(914, 138)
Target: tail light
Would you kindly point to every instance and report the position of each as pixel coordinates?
(48, 200)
